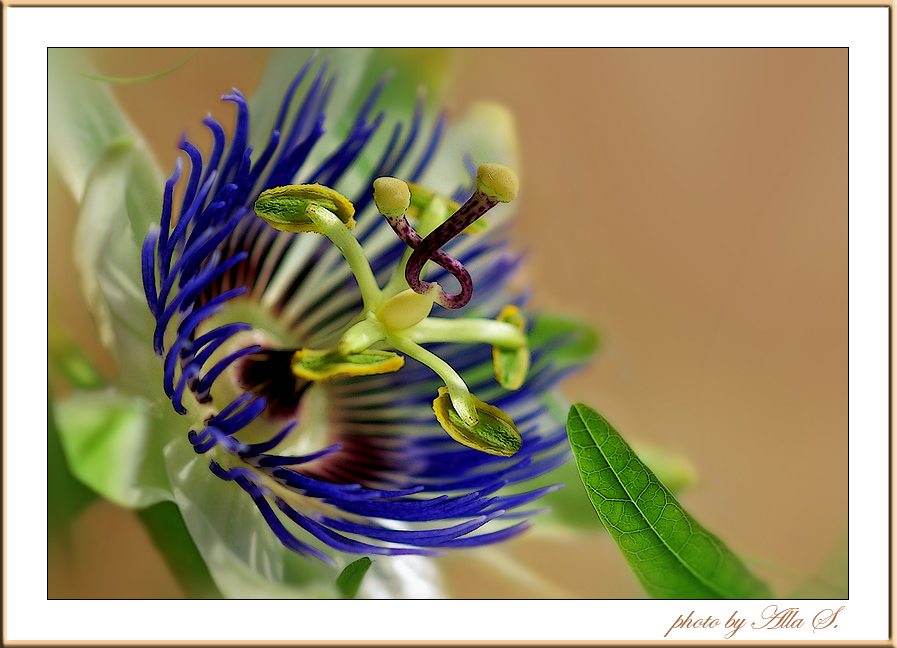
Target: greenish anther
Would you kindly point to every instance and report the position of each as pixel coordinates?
(285, 208)
(494, 432)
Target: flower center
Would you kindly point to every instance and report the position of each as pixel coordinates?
(398, 316)
(268, 373)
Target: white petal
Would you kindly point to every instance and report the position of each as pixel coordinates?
(84, 120)
(402, 577)
(107, 256)
(243, 555)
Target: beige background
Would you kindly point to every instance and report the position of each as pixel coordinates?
(692, 204)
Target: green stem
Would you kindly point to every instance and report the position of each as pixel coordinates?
(457, 388)
(487, 331)
(351, 249)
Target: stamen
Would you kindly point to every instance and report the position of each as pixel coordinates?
(469, 329)
(320, 209)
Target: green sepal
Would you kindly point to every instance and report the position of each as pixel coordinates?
(494, 433)
(668, 551)
(349, 580)
(245, 559)
(313, 364)
(83, 118)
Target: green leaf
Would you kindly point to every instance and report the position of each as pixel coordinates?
(350, 578)
(570, 506)
(673, 470)
(570, 341)
(66, 496)
(111, 446)
(166, 527)
(670, 553)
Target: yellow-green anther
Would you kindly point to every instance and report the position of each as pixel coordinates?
(405, 309)
(497, 181)
(494, 432)
(285, 208)
(511, 364)
(360, 336)
(392, 196)
(324, 364)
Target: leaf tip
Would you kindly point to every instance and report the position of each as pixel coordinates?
(349, 580)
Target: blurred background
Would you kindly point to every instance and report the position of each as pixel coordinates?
(691, 204)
